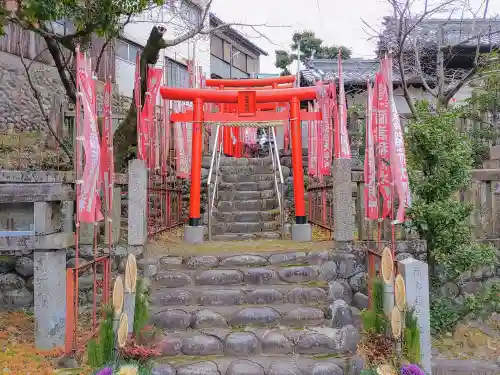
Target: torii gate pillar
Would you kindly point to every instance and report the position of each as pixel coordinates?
(194, 231)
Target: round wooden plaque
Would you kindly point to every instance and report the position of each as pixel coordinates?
(400, 292)
(387, 265)
(118, 295)
(122, 333)
(386, 370)
(130, 274)
(396, 323)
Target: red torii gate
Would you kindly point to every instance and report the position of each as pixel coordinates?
(246, 84)
(247, 104)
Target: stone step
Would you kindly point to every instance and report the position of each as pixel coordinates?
(240, 295)
(248, 205)
(248, 216)
(239, 162)
(246, 236)
(244, 276)
(239, 195)
(254, 341)
(189, 317)
(262, 365)
(329, 260)
(237, 178)
(245, 170)
(244, 227)
(246, 186)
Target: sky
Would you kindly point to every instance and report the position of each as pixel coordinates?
(337, 22)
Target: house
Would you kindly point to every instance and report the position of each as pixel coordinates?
(232, 55)
(187, 15)
(461, 35)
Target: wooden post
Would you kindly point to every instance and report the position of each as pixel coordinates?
(130, 290)
(117, 306)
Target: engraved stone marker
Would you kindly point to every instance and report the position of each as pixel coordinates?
(416, 276)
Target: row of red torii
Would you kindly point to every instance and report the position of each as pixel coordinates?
(250, 100)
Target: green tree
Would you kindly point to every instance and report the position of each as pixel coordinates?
(439, 161)
(310, 45)
(106, 18)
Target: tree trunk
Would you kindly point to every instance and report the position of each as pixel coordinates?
(125, 137)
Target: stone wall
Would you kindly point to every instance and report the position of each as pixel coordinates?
(19, 110)
(17, 269)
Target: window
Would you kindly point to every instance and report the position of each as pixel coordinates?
(126, 51)
(190, 13)
(239, 60)
(227, 52)
(216, 47)
(252, 65)
(177, 74)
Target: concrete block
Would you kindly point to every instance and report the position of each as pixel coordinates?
(194, 235)
(67, 216)
(50, 298)
(301, 232)
(47, 217)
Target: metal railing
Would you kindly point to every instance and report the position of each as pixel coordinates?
(279, 185)
(216, 155)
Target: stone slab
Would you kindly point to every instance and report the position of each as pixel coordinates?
(342, 201)
(194, 235)
(416, 277)
(12, 193)
(53, 241)
(301, 232)
(464, 367)
(114, 225)
(50, 298)
(137, 201)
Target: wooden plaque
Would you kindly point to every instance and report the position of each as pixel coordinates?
(396, 323)
(130, 274)
(117, 297)
(400, 292)
(387, 265)
(386, 370)
(122, 333)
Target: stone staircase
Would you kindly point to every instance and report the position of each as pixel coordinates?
(262, 313)
(247, 207)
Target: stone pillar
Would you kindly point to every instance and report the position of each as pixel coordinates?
(116, 213)
(137, 201)
(416, 276)
(343, 219)
(50, 298)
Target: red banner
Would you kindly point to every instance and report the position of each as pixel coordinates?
(313, 146)
(345, 149)
(325, 128)
(88, 200)
(370, 188)
(147, 115)
(183, 156)
(138, 107)
(165, 138)
(383, 139)
(107, 162)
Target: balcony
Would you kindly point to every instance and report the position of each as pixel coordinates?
(222, 69)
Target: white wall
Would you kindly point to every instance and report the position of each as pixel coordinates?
(139, 31)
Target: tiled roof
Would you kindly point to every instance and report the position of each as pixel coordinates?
(356, 71)
(464, 31)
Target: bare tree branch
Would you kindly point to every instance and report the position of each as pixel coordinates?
(38, 97)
